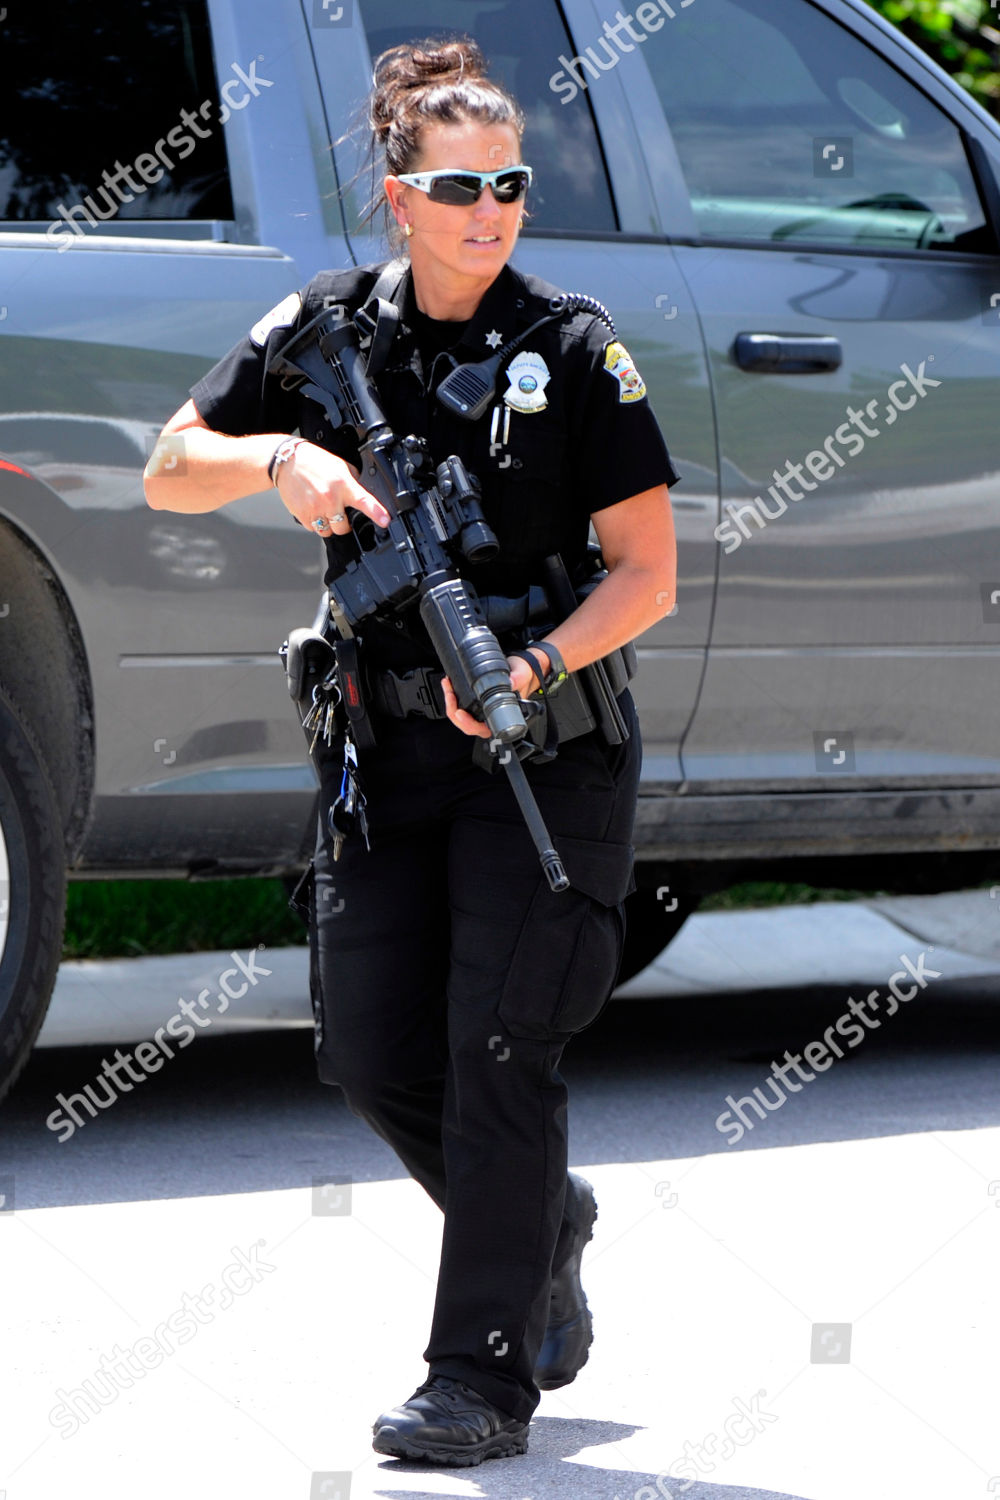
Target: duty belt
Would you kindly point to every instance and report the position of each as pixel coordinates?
(419, 692)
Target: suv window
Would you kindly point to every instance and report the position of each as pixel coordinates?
(521, 40)
(92, 124)
(790, 129)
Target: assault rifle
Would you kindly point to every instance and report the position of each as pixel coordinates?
(435, 519)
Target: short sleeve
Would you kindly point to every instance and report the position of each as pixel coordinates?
(235, 397)
(620, 450)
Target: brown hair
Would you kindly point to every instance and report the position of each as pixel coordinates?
(423, 83)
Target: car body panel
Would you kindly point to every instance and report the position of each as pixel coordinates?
(856, 615)
(863, 610)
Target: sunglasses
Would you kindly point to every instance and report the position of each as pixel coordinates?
(462, 189)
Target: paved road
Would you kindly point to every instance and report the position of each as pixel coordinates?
(830, 1276)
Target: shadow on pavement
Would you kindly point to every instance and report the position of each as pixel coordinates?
(541, 1471)
(647, 1082)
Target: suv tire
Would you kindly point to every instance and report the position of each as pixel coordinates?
(32, 889)
(651, 922)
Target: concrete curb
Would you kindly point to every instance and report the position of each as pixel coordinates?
(120, 1001)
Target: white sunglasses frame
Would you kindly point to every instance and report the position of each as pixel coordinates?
(422, 180)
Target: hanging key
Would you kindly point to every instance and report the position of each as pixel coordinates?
(363, 820)
(341, 823)
(341, 819)
(330, 721)
(312, 710)
(315, 718)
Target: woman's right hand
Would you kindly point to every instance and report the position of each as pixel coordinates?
(314, 484)
(194, 469)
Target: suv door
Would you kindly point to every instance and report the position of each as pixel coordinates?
(115, 301)
(847, 281)
(594, 229)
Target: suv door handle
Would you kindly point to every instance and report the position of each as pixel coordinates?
(781, 354)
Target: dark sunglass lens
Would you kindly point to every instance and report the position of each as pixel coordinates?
(461, 189)
(511, 187)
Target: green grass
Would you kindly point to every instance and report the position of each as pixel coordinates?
(776, 893)
(126, 918)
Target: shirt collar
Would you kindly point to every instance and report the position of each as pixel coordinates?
(498, 313)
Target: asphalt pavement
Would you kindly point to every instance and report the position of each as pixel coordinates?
(244, 1274)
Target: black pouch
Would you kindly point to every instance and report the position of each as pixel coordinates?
(566, 960)
(307, 656)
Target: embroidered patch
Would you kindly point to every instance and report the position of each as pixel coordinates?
(279, 317)
(618, 363)
(528, 375)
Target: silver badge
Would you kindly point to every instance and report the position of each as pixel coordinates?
(528, 375)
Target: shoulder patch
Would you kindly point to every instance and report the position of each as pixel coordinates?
(279, 317)
(620, 366)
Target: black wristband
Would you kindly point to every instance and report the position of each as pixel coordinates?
(526, 654)
(557, 672)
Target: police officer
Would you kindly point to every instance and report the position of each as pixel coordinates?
(446, 976)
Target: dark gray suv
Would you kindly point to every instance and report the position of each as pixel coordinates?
(794, 218)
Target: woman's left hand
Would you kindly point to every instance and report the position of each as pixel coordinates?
(522, 680)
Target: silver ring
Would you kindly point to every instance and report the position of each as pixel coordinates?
(339, 516)
(320, 523)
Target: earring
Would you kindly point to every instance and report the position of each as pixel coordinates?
(521, 224)
(407, 230)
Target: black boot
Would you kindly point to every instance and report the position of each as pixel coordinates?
(446, 1422)
(569, 1334)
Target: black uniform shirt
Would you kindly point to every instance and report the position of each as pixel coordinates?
(579, 436)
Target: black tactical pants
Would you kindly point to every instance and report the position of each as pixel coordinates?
(446, 979)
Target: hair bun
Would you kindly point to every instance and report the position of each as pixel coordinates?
(420, 65)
